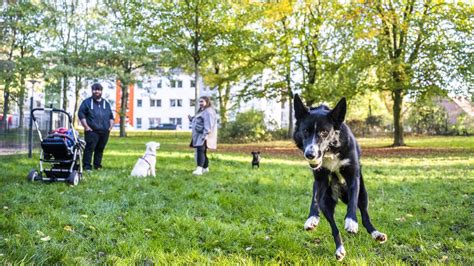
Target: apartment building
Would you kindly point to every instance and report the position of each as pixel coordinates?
(153, 100)
(161, 99)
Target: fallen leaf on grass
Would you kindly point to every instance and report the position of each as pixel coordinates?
(148, 230)
(68, 228)
(40, 233)
(84, 216)
(46, 238)
(92, 227)
(401, 219)
(5, 207)
(409, 215)
(248, 248)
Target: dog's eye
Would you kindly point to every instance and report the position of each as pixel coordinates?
(324, 133)
(306, 132)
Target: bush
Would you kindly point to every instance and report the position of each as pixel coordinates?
(279, 134)
(426, 117)
(248, 127)
(464, 126)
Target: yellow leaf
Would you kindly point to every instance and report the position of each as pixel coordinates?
(68, 228)
(46, 238)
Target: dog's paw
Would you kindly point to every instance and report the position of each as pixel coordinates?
(351, 226)
(311, 223)
(340, 253)
(380, 237)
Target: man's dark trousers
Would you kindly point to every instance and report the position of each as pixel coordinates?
(95, 143)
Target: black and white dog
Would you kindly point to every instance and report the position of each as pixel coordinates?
(333, 155)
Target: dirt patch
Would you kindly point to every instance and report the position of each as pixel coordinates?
(368, 151)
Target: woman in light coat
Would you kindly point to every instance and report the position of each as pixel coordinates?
(204, 134)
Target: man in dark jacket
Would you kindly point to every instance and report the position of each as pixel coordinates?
(95, 114)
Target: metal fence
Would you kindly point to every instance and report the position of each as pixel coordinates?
(22, 136)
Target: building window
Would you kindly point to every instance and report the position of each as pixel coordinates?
(158, 85)
(176, 102)
(192, 102)
(140, 84)
(139, 122)
(193, 84)
(155, 102)
(154, 121)
(139, 103)
(176, 83)
(176, 120)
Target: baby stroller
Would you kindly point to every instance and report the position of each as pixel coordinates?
(61, 149)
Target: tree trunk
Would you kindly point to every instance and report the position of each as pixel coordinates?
(123, 107)
(6, 97)
(290, 102)
(290, 114)
(21, 100)
(196, 58)
(65, 86)
(78, 83)
(223, 103)
(397, 118)
(196, 86)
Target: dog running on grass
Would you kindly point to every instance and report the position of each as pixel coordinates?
(145, 165)
(334, 157)
(256, 159)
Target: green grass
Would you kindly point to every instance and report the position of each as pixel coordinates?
(235, 215)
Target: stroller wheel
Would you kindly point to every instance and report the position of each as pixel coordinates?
(33, 175)
(73, 178)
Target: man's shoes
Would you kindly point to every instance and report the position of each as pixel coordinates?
(98, 167)
(198, 171)
(205, 170)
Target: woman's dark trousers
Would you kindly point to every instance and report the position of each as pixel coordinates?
(201, 156)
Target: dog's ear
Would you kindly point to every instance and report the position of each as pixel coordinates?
(258, 152)
(339, 112)
(300, 109)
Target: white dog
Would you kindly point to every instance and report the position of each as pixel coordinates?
(145, 165)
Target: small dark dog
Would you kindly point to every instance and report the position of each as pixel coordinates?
(256, 159)
(334, 157)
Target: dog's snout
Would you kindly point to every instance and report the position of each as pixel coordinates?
(312, 153)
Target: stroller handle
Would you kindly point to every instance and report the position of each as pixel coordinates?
(52, 110)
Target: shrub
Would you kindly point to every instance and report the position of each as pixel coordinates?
(426, 117)
(248, 127)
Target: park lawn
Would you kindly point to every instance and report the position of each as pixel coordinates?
(235, 214)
